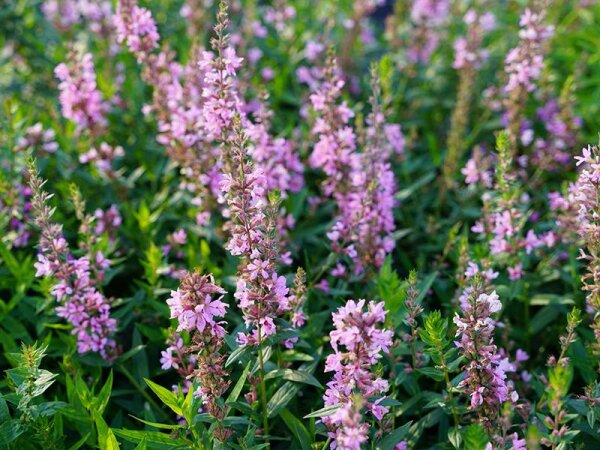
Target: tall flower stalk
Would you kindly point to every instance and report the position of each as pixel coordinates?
(467, 60)
(362, 183)
(523, 66)
(485, 380)
(358, 342)
(81, 303)
(586, 193)
(198, 308)
(80, 99)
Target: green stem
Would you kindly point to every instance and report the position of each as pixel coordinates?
(263, 389)
(449, 387)
(527, 319)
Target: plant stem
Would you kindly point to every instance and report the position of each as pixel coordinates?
(448, 386)
(263, 390)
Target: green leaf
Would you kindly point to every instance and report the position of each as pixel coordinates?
(391, 291)
(543, 318)
(166, 396)
(475, 437)
(425, 285)
(130, 353)
(431, 372)
(237, 389)
(4, 412)
(323, 412)
(392, 439)
(455, 437)
(142, 445)
(405, 193)
(104, 395)
(106, 438)
(158, 425)
(80, 442)
(11, 430)
(294, 375)
(236, 355)
(281, 398)
(155, 440)
(297, 428)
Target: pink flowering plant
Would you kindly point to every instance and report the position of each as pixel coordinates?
(350, 225)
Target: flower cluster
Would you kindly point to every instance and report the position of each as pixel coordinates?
(524, 65)
(262, 293)
(428, 16)
(136, 27)
(198, 308)
(335, 149)
(364, 228)
(80, 99)
(561, 126)
(102, 157)
(587, 201)
(485, 381)
(65, 13)
(525, 62)
(37, 136)
(76, 290)
(358, 343)
(276, 158)
(505, 215)
(15, 205)
(467, 50)
(179, 95)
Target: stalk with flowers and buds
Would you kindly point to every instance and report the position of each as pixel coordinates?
(485, 381)
(82, 304)
(198, 308)
(523, 66)
(358, 341)
(468, 58)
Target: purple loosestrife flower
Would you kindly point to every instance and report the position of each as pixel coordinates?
(136, 27)
(362, 183)
(428, 17)
(358, 342)
(178, 103)
(253, 212)
(586, 197)
(262, 293)
(276, 158)
(194, 306)
(554, 151)
(365, 225)
(505, 217)
(197, 306)
(37, 136)
(467, 50)
(524, 65)
(15, 208)
(485, 381)
(80, 99)
(64, 14)
(334, 151)
(81, 303)
(102, 158)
